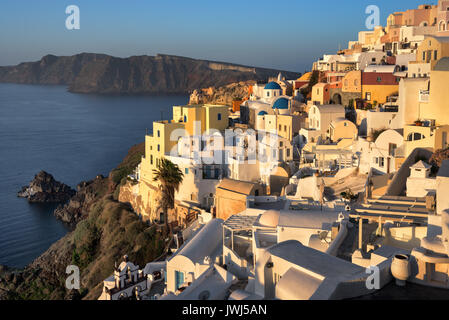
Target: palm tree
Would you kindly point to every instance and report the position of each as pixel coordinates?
(169, 177)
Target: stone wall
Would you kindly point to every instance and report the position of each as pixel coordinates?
(346, 97)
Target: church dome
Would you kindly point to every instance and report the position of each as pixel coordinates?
(272, 86)
(270, 219)
(281, 103)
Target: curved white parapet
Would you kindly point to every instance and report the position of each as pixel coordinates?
(341, 236)
(422, 255)
(435, 245)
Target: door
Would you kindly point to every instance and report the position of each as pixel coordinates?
(179, 279)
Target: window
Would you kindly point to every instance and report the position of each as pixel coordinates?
(379, 79)
(285, 128)
(185, 118)
(151, 159)
(280, 127)
(281, 144)
(159, 133)
(288, 152)
(391, 148)
(415, 136)
(424, 55)
(158, 147)
(368, 96)
(381, 162)
(186, 170)
(435, 55)
(219, 117)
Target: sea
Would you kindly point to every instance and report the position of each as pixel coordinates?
(72, 136)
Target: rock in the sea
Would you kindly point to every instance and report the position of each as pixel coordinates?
(44, 188)
(78, 207)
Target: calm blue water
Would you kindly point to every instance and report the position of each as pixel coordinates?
(72, 136)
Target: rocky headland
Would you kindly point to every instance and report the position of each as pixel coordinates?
(160, 74)
(45, 189)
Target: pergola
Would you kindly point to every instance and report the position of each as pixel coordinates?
(241, 224)
(391, 208)
(344, 156)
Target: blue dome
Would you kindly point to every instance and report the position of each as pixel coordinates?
(262, 113)
(272, 86)
(281, 103)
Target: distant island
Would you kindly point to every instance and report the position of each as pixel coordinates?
(160, 74)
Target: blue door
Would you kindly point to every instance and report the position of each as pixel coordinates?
(179, 279)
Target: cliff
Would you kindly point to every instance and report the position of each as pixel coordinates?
(104, 231)
(100, 73)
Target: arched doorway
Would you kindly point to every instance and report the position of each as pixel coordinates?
(336, 99)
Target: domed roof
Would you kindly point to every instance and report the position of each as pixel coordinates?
(272, 86)
(269, 219)
(281, 103)
(262, 113)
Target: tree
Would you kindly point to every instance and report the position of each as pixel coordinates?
(169, 177)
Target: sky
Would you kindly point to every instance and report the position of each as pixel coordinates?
(281, 34)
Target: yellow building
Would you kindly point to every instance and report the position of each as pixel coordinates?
(352, 82)
(438, 106)
(286, 126)
(379, 83)
(342, 129)
(376, 94)
(432, 129)
(157, 145)
(425, 136)
(187, 121)
(320, 93)
(211, 117)
(432, 49)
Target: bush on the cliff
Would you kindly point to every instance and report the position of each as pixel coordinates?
(129, 163)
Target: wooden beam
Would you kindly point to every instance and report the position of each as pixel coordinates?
(394, 213)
